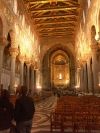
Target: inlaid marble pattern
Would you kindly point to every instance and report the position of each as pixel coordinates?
(41, 121)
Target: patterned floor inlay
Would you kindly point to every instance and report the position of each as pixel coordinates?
(53, 132)
(41, 121)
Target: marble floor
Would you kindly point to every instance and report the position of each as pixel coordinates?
(41, 121)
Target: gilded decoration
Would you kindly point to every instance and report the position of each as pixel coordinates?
(60, 70)
(54, 19)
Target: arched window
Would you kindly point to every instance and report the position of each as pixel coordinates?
(15, 6)
(83, 16)
(89, 2)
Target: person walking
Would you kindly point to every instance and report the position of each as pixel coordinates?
(6, 112)
(24, 111)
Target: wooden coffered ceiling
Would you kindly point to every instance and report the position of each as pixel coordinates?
(58, 18)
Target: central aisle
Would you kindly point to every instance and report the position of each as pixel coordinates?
(41, 121)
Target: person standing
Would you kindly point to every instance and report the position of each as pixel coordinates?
(6, 112)
(24, 111)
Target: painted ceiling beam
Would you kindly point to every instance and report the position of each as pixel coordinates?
(64, 28)
(53, 9)
(50, 17)
(47, 1)
(57, 34)
(48, 32)
(67, 37)
(53, 27)
(54, 16)
(54, 23)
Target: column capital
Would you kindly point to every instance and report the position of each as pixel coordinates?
(85, 58)
(12, 34)
(83, 62)
(3, 41)
(94, 47)
(78, 64)
(28, 64)
(27, 61)
(21, 58)
(13, 52)
(35, 65)
(32, 65)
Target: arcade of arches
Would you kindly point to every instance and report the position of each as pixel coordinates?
(44, 48)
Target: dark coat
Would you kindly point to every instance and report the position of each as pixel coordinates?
(6, 113)
(24, 109)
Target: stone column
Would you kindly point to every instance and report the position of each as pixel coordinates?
(99, 63)
(85, 79)
(89, 76)
(32, 87)
(35, 79)
(38, 81)
(14, 53)
(95, 64)
(28, 75)
(1, 60)
(2, 45)
(78, 76)
(83, 76)
(72, 76)
(36, 76)
(22, 59)
(82, 71)
(81, 79)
